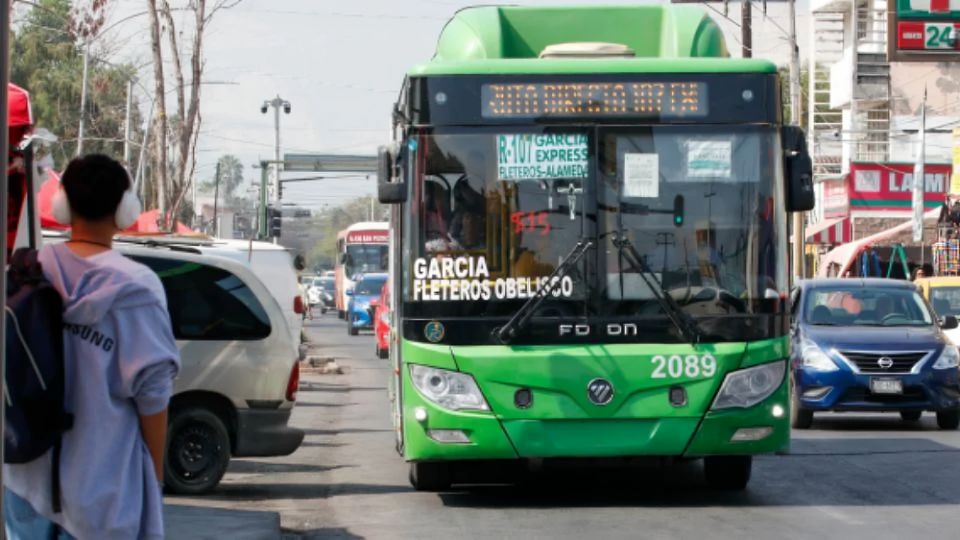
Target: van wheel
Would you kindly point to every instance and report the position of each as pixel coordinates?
(910, 416)
(430, 476)
(198, 451)
(948, 418)
(350, 328)
(383, 353)
(341, 315)
(729, 473)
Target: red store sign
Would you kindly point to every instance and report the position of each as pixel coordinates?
(888, 186)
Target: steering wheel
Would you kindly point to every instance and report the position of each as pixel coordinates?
(889, 316)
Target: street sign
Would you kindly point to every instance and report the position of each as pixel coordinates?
(924, 31)
(329, 163)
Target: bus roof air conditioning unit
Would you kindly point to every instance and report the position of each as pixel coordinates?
(587, 49)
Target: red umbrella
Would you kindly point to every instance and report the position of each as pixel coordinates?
(147, 223)
(20, 116)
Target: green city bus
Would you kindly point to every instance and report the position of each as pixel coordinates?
(589, 244)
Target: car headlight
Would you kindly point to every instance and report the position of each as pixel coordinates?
(747, 387)
(812, 357)
(949, 358)
(449, 389)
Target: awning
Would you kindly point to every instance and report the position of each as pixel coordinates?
(828, 231)
(838, 261)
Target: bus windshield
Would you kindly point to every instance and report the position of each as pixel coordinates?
(497, 211)
(364, 258)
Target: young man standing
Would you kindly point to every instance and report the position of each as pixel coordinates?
(120, 361)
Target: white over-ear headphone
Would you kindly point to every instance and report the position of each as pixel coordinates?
(128, 211)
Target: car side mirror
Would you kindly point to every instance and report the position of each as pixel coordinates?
(390, 187)
(948, 322)
(797, 170)
(349, 292)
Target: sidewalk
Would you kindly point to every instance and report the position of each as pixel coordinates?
(195, 523)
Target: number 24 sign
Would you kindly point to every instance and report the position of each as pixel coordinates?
(927, 35)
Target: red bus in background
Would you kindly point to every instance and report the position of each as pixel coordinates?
(361, 248)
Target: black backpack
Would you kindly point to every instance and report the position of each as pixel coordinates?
(34, 380)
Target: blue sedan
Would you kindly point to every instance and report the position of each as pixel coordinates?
(871, 345)
(359, 310)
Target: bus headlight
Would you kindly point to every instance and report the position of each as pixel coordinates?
(449, 389)
(747, 387)
(949, 358)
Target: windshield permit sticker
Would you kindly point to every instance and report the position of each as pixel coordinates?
(710, 159)
(467, 279)
(527, 156)
(641, 175)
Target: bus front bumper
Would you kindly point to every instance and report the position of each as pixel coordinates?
(441, 435)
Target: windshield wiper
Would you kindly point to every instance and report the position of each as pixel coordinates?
(681, 320)
(506, 333)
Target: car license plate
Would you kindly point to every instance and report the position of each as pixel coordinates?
(886, 386)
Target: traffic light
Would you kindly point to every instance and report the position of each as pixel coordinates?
(274, 221)
(678, 211)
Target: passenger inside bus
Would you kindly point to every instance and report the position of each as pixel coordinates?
(467, 228)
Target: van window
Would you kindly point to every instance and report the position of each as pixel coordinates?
(207, 303)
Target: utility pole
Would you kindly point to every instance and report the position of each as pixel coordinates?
(126, 126)
(746, 27)
(918, 172)
(216, 197)
(83, 95)
(262, 206)
(799, 235)
(276, 103)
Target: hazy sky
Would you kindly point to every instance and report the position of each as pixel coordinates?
(340, 64)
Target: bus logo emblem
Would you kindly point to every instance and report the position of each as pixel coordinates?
(434, 331)
(600, 391)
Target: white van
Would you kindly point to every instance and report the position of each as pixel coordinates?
(239, 370)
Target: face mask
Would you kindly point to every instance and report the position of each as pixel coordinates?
(128, 211)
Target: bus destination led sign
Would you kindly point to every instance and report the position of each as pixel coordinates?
(595, 99)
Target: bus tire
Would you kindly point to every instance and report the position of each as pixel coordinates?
(948, 418)
(430, 476)
(383, 353)
(728, 473)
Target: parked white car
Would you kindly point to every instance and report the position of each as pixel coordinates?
(239, 368)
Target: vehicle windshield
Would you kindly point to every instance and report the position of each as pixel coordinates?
(327, 284)
(497, 212)
(866, 306)
(366, 258)
(945, 300)
(369, 287)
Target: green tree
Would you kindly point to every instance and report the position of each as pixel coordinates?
(47, 60)
(231, 178)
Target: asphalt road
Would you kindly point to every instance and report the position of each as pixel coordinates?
(851, 476)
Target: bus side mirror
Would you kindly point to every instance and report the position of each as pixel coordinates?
(797, 170)
(387, 191)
